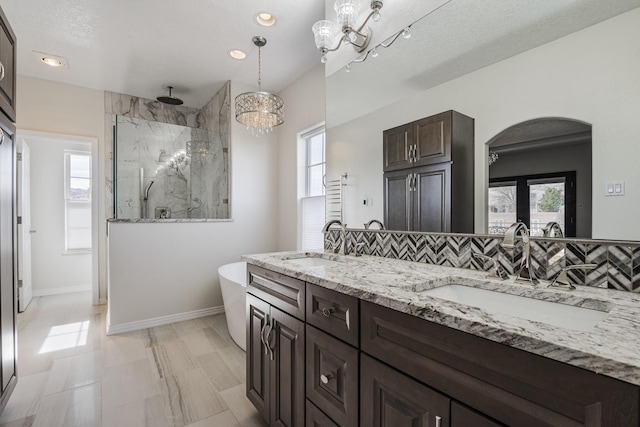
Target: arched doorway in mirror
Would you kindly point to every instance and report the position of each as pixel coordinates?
(540, 173)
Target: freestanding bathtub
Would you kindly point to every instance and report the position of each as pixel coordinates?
(233, 284)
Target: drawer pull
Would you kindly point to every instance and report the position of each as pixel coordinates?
(327, 311)
(1, 71)
(326, 378)
(438, 421)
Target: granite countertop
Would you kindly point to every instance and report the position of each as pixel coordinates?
(611, 347)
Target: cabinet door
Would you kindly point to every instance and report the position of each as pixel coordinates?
(8, 60)
(7, 284)
(397, 200)
(461, 416)
(432, 139)
(287, 370)
(256, 358)
(397, 144)
(432, 198)
(391, 399)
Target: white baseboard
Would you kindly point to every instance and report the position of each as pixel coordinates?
(163, 320)
(58, 291)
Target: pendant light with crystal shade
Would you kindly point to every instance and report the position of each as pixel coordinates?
(259, 111)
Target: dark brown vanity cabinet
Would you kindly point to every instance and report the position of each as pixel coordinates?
(332, 355)
(275, 347)
(491, 383)
(428, 179)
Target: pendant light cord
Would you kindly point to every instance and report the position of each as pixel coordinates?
(259, 70)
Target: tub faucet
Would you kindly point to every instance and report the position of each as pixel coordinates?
(374, 221)
(552, 229)
(525, 272)
(343, 248)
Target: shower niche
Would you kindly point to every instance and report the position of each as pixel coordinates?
(165, 171)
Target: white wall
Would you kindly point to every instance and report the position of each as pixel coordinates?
(591, 75)
(304, 109)
(53, 271)
(165, 269)
(48, 106)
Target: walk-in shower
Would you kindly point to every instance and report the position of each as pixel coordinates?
(165, 171)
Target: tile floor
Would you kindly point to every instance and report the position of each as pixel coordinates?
(71, 374)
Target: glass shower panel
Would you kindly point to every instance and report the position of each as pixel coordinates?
(169, 171)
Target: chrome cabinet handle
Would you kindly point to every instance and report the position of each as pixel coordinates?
(262, 331)
(326, 378)
(1, 71)
(1, 134)
(415, 153)
(438, 421)
(267, 340)
(327, 311)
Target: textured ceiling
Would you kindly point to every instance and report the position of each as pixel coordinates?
(458, 38)
(139, 47)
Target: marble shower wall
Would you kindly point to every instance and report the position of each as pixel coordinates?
(618, 263)
(208, 139)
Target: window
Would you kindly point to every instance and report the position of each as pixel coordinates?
(77, 201)
(313, 201)
(535, 200)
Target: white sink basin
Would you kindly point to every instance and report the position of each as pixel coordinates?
(312, 261)
(552, 313)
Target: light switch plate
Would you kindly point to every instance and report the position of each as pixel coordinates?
(614, 188)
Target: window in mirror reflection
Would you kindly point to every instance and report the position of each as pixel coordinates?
(535, 200)
(313, 201)
(502, 206)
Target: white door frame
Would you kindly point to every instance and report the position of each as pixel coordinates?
(95, 194)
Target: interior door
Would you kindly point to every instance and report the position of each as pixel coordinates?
(24, 227)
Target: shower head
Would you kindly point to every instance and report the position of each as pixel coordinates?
(171, 100)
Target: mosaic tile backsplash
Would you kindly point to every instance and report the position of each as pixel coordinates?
(618, 263)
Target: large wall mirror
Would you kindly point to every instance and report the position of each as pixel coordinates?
(554, 92)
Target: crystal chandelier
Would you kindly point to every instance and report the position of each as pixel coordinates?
(347, 13)
(259, 111)
(493, 157)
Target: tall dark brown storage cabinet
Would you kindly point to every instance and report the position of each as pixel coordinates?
(8, 290)
(428, 174)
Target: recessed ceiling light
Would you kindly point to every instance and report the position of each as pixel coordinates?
(265, 19)
(51, 60)
(54, 62)
(237, 54)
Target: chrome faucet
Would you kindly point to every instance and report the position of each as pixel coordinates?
(509, 242)
(562, 280)
(374, 221)
(497, 270)
(343, 248)
(552, 229)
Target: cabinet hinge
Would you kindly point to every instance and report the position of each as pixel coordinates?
(19, 220)
(19, 156)
(19, 283)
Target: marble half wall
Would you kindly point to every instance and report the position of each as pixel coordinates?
(214, 116)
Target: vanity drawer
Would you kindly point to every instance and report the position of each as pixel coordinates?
(333, 312)
(332, 377)
(286, 293)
